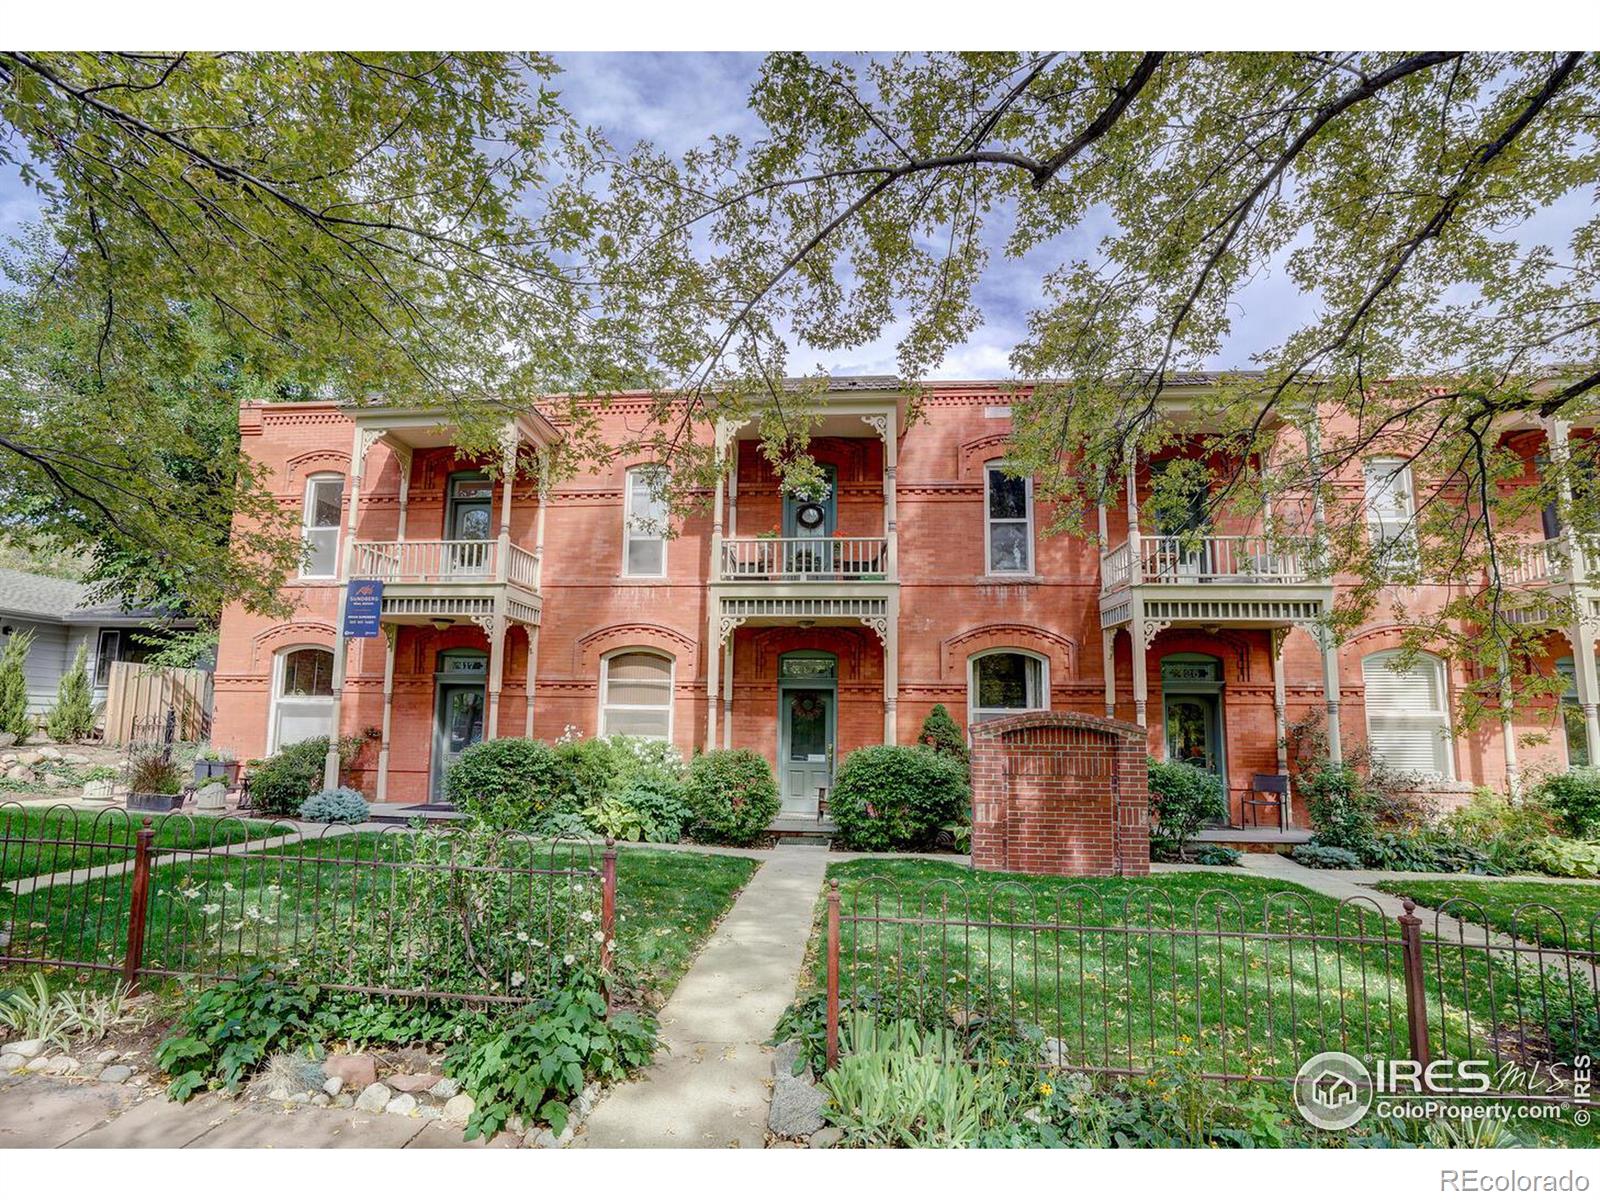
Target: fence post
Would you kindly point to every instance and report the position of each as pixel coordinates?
(1416, 987)
(608, 915)
(833, 974)
(138, 902)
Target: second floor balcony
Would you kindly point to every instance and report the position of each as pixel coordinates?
(1205, 559)
(446, 561)
(835, 559)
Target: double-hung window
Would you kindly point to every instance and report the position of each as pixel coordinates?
(319, 526)
(644, 532)
(636, 694)
(1391, 515)
(1008, 522)
(1408, 712)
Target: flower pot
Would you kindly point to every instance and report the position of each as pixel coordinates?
(207, 768)
(232, 770)
(151, 802)
(97, 789)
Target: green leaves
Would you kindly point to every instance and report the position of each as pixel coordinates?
(231, 1027)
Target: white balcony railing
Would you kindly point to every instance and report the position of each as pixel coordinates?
(1533, 562)
(1220, 559)
(443, 562)
(842, 559)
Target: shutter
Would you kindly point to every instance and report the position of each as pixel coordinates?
(1406, 715)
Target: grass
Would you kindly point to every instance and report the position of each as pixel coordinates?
(58, 839)
(1552, 914)
(668, 902)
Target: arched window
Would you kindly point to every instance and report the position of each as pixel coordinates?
(636, 694)
(1408, 712)
(302, 696)
(1008, 522)
(644, 531)
(1002, 683)
(319, 526)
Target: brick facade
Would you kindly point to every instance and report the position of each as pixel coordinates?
(1060, 794)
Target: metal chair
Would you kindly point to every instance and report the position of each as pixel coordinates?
(1266, 791)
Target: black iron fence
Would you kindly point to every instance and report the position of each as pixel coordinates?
(434, 914)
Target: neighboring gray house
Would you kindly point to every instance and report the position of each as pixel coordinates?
(62, 619)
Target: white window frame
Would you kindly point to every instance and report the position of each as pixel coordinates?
(628, 534)
(973, 710)
(1439, 718)
(280, 663)
(1000, 464)
(605, 687)
(1394, 475)
(306, 527)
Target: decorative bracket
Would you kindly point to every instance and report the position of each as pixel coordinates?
(879, 626)
(880, 423)
(1150, 630)
(726, 626)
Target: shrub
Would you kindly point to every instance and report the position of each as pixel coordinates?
(336, 805)
(14, 718)
(507, 783)
(1574, 798)
(72, 717)
(1182, 799)
(732, 796)
(1567, 857)
(233, 1026)
(647, 810)
(1216, 856)
(1504, 833)
(1343, 809)
(940, 733)
(281, 783)
(896, 797)
(1325, 858)
(587, 771)
(652, 758)
(153, 772)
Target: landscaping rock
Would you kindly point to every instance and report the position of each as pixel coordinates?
(374, 1098)
(139, 1081)
(116, 1074)
(1055, 1051)
(38, 1064)
(357, 1070)
(403, 1105)
(515, 1125)
(796, 1107)
(12, 1062)
(31, 1048)
(459, 1108)
(30, 758)
(344, 1100)
(445, 1088)
(584, 1104)
(785, 1057)
(20, 774)
(106, 1056)
(301, 1098)
(88, 1071)
(333, 1085)
(320, 1101)
(411, 1083)
(279, 1094)
(541, 1137)
(429, 1112)
(62, 1064)
(826, 1138)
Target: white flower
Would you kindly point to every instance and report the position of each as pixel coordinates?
(569, 959)
(599, 935)
(211, 909)
(517, 979)
(522, 935)
(586, 917)
(228, 887)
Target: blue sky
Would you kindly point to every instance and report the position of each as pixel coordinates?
(677, 100)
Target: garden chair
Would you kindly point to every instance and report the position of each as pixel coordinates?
(1270, 792)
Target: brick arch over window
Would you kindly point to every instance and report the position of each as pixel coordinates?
(588, 650)
(317, 462)
(1061, 651)
(289, 633)
(979, 452)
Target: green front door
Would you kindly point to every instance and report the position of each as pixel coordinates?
(458, 710)
(805, 747)
(1191, 725)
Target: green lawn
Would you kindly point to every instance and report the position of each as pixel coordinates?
(668, 902)
(78, 837)
(1121, 999)
(1549, 913)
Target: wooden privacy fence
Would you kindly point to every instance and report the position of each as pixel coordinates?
(149, 704)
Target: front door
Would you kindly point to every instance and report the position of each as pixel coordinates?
(1192, 732)
(460, 724)
(809, 524)
(805, 747)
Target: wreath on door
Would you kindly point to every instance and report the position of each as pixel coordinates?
(807, 708)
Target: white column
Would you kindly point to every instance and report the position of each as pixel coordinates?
(1280, 723)
(1330, 692)
(502, 536)
(1583, 668)
(727, 696)
(733, 487)
(361, 443)
(713, 657)
(891, 672)
(891, 523)
(716, 513)
(538, 528)
(1141, 682)
(404, 459)
(1108, 656)
(532, 675)
(1508, 733)
(391, 635)
(497, 668)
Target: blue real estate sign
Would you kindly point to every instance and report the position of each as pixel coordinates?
(363, 601)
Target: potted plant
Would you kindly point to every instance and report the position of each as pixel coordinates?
(216, 763)
(154, 782)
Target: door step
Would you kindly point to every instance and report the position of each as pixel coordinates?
(805, 839)
(789, 823)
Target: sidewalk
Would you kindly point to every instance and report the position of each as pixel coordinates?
(711, 1085)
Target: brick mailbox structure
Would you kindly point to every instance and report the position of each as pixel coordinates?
(1060, 793)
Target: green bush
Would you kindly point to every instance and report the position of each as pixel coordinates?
(732, 797)
(231, 1027)
(1567, 857)
(897, 797)
(14, 717)
(281, 783)
(336, 805)
(941, 733)
(1342, 807)
(1183, 798)
(588, 770)
(1326, 858)
(1216, 856)
(1575, 800)
(507, 783)
(1504, 833)
(71, 719)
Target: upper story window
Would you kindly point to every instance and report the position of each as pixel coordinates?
(1008, 522)
(319, 526)
(1408, 712)
(1390, 513)
(644, 550)
(636, 694)
(1003, 683)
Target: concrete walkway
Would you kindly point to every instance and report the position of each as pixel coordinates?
(711, 1084)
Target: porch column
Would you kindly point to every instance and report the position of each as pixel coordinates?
(497, 667)
(1280, 725)
(1330, 692)
(1108, 658)
(722, 435)
(391, 635)
(363, 440)
(727, 696)
(891, 672)
(733, 487)
(1583, 669)
(1141, 683)
(531, 674)
(502, 536)
(404, 457)
(1508, 734)
(891, 529)
(538, 525)
(713, 657)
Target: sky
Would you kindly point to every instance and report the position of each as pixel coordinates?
(678, 100)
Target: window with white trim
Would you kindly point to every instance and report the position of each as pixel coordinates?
(1408, 712)
(1390, 512)
(1574, 725)
(302, 696)
(319, 526)
(636, 694)
(1002, 683)
(644, 528)
(1008, 522)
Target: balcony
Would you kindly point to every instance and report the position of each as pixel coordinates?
(1225, 559)
(804, 560)
(425, 579)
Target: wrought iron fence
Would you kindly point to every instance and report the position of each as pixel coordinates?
(432, 915)
(1118, 982)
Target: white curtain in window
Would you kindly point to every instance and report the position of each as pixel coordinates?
(1408, 717)
(645, 523)
(636, 694)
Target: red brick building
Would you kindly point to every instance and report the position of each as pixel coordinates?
(806, 628)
